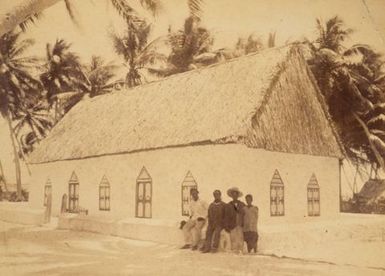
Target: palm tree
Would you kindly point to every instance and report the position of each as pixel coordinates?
(351, 82)
(244, 46)
(332, 34)
(63, 73)
(137, 52)
(188, 44)
(99, 76)
(17, 87)
(35, 120)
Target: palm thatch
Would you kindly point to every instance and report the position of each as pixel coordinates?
(212, 105)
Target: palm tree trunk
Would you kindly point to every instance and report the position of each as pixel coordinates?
(16, 11)
(16, 156)
(22, 154)
(378, 156)
(56, 111)
(3, 177)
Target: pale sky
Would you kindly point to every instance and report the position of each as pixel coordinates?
(226, 19)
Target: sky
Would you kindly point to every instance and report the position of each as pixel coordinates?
(226, 19)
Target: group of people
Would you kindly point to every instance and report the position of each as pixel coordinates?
(235, 220)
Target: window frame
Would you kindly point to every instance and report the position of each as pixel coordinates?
(312, 201)
(277, 184)
(47, 190)
(189, 178)
(105, 197)
(143, 179)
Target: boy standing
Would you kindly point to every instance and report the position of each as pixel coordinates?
(215, 219)
(250, 221)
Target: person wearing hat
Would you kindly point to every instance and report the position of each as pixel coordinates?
(233, 220)
(192, 230)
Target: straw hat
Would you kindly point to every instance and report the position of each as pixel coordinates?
(234, 189)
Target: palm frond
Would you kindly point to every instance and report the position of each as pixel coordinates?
(195, 8)
(124, 9)
(152, 5)
(22, 47)
(30, 20)
(71, 12)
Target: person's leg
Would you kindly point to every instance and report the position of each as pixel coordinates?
(234, 239)
(239, 239)
(216, 237)
(187, 229)
(226, 241)
(246, 237)
(256, 242)
(197, 233)
(209, 235)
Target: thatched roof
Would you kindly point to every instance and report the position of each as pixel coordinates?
(373, 189)
(215, 104)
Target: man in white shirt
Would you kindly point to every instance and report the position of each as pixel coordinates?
(192, 230)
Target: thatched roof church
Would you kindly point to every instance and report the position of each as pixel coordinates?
(258, 122)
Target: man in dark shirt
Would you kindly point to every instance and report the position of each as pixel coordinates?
(233, 221)
(215, 220)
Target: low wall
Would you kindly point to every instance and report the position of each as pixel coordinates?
(273, 238)
(21, 213)
(160, 231)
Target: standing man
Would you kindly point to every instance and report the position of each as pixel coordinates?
(250, 230)
(215, 223)
(192, 230)
(234, 219)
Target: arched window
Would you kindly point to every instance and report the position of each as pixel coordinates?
(47, 191)
(313, 197)
(104, 194)
(143, 194)
(277, 195)
(73, 194)
(187, 184)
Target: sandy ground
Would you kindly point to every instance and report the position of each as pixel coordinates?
(26, 250)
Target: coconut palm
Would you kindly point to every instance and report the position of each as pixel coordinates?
(351, 82)
(191, 48)
(189, 43)
(34, 118)
(332, 34)
(96, 79)
(63, 73)
(99, 76)
(248, 45)
(139, 54)
(17, 86)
